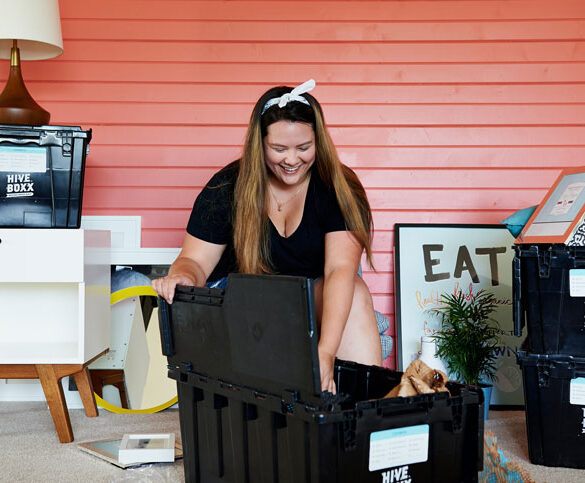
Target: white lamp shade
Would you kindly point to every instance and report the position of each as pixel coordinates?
(36, 25)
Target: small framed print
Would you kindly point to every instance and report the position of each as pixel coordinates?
(147, 448)
(561, 212)
(108, 450)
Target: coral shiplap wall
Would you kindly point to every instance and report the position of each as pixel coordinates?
(449, 111)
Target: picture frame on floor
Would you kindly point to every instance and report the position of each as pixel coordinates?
(431, 259)
(108, 449)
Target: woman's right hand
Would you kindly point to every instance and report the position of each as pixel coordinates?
(165, 286)
(326, 368)
(196, 261)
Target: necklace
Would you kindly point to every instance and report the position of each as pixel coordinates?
(280, 204)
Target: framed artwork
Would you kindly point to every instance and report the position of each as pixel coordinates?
(432, 259)
(560, 214)
(108, 450)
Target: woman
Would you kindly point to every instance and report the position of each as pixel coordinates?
(288, 207)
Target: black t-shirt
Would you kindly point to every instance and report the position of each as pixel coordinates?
(301, 254)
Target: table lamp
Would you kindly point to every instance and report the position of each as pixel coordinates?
(29, 30)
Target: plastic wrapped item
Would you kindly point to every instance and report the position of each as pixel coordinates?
(152, 473)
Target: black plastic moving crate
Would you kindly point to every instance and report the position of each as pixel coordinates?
(554, 391)
(541, 293)
(251, 410)
(41, 175)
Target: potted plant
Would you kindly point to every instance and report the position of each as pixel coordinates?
(468, 337)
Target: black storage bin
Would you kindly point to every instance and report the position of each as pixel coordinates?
(251, 410)
(41, 175)
(555, 426)
(542, 299)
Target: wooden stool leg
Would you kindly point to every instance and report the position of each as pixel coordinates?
(85, 389)
(56, 401)
(96, 381)
(123, 398)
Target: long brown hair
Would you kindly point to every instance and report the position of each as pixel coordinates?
(251, 229)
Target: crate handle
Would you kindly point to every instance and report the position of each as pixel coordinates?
(348, 434)
(456, 416)
(312, 324)
(544, 263)
(543, 374)
(44, 139)
(518, 308)
(164, 324)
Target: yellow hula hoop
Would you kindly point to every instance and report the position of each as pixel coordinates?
(116, 297)
(116, 409)
(126, 293)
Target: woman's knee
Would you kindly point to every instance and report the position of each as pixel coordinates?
(362, 298)
(361, 341)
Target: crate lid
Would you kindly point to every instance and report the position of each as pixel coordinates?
(8, 131)
(559, 366)
(259, 333)
(535, 250)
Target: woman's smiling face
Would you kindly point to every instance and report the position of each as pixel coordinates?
(289, 151)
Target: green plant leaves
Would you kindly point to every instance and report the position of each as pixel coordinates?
(469, 335)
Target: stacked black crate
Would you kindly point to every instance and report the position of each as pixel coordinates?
(41, 175)
(549, 298)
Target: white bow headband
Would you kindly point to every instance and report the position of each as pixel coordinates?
(294, 95)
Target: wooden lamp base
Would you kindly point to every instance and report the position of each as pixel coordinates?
(16, 104)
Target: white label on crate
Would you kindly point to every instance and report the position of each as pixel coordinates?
(577, 282)
(399, 447)
(19, 185)
(23, 160)
(577, 391)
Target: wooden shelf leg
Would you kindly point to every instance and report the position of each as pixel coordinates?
(84, 386)
(56, 401)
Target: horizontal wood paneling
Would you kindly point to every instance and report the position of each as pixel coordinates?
(371, 178)
(453, 199)
(450, 111)
(458, 178)
(353, 135)
(362, 52)
(388, 199)
(392, 30)
(373, 11)
(273, 73)
(354, 156)
(352, 94)
(368, 115)
(385, 219)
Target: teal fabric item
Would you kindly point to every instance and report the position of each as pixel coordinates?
(497, 468)
(516, 221)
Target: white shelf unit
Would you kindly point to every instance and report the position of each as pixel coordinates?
(125, 250)
(54, 294)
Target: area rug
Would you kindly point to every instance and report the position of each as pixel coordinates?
(497, 468)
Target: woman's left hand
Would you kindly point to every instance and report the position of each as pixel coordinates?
(326, 364)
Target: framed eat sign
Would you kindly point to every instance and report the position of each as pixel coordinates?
(433, 259)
